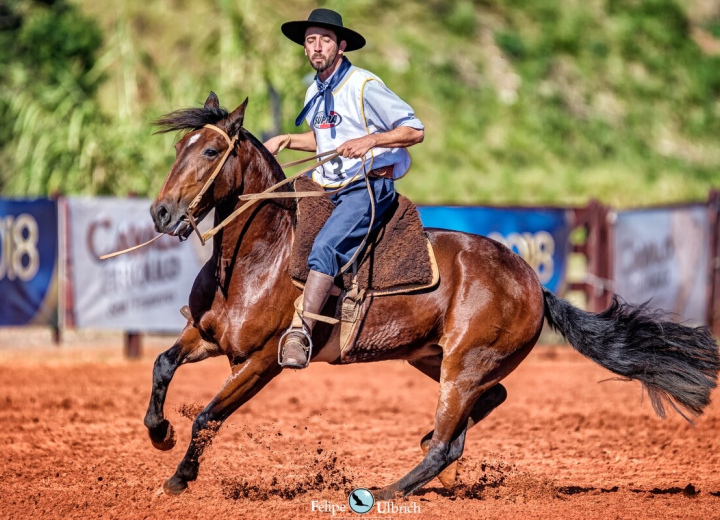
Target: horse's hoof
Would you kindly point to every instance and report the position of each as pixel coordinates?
(448, 476)
(163, 437)
(386, 493)
(174, 486)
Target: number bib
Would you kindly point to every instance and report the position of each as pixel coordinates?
(348, 121)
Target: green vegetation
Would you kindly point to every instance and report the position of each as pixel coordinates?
(524, 101)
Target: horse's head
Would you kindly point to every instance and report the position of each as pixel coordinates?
(203, 173)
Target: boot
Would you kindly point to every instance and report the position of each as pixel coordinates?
(295, 346)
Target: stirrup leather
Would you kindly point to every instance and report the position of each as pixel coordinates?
(308, 349)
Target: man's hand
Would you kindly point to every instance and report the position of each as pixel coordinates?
(273, 144)
(356, 148)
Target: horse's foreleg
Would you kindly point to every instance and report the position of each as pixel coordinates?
(246, 380)
(485, 404)
(189, 348)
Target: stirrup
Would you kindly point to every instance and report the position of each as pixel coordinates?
(308, 349)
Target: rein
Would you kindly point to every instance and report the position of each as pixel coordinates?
(250, 198)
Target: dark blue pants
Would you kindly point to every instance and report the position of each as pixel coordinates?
(348, 224)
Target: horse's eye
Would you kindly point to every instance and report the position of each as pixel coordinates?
(210, 152)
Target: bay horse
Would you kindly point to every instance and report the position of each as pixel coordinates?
(468, 333)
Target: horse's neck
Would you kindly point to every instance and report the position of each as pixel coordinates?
(265, 228)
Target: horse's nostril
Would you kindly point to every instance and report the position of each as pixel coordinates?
(163, 215)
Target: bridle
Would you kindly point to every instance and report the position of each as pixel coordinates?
(189, 213)
(250, 198)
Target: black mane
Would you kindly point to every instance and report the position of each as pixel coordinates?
(196, 118)
(190, 119)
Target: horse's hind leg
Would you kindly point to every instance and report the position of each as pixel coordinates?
(463, 379)
(486, 403)
(246, 380)
(188, 348)
(455, 403)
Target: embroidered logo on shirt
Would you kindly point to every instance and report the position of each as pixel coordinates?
(322, 121)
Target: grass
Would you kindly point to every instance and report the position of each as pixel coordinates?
(523, 101)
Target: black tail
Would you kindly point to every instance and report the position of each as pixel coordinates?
(678, 365)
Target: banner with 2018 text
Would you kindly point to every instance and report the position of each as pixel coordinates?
(143, 290)
(28, 262)
(540, 235)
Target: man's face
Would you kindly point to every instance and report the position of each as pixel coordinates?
(321, 48)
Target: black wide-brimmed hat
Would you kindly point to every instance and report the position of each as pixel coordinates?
(327, 19)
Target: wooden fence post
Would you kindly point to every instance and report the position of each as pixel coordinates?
(133, 339)
(56, 332)
(597, 286)
(133, 345)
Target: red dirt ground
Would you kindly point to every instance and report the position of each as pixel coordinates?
(563, 445)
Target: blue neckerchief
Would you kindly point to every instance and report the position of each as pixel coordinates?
(325, 90)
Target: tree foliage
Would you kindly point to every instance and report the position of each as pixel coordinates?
(523, 101)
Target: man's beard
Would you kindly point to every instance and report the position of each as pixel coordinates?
(325, 64)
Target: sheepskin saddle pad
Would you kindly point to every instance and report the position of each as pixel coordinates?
(397, 256)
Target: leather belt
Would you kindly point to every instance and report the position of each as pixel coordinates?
(385, 172)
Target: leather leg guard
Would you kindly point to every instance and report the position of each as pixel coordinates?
(295, 349)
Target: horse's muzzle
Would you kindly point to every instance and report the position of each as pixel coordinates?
(169, 218)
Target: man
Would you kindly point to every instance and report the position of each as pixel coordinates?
(351, 110)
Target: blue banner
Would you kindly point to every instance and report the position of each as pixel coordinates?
(28, 262)
(540, 235)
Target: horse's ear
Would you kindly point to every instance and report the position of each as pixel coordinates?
(212, 101)
(235, 120)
